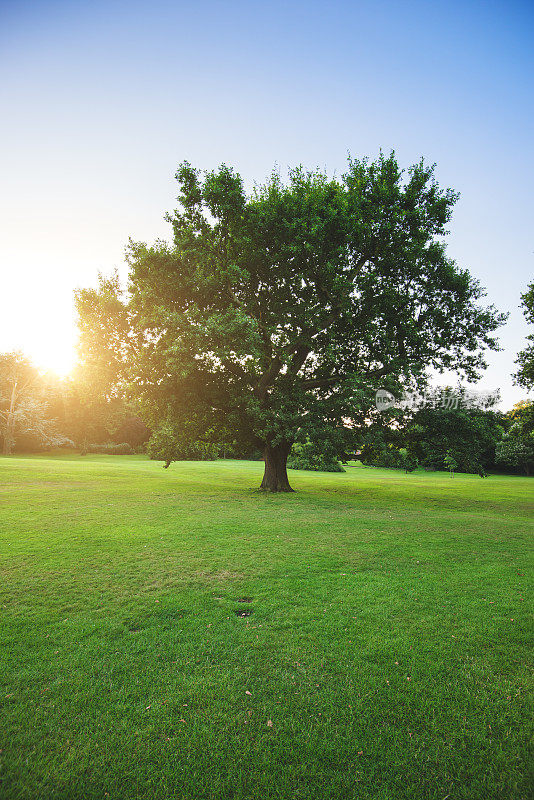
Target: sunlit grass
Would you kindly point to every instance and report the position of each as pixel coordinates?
(386, 655)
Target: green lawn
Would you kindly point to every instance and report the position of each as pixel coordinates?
(386, 655)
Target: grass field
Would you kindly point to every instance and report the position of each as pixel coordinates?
(386, 655)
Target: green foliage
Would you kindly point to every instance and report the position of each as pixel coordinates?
(129, 427)
(274, 317)
(380, 454)
(525, 359)
(310, 456)
(468, 436)
(382, 441)
(409, 462)
(169, 443)
(450, 461)
(405, 438)
(516, 450)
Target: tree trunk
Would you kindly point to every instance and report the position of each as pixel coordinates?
(8, 439)
(275, 476)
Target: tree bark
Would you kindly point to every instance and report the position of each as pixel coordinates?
(275, 476)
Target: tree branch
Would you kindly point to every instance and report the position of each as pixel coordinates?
(260, 390)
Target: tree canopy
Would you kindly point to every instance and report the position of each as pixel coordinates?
(516, 449)
(525, 359)
(273, 316)
(469, 436)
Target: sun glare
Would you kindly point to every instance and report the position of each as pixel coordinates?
(54, 352)
(61, 364)
(46, 332)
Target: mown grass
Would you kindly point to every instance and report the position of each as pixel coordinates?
(386, 657)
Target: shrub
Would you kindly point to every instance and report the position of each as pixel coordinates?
(31, 443)
(109, 449)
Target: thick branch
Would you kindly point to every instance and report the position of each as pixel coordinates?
(267, 378)
(299, 357)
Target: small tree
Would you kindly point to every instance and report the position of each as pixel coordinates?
(450, 462)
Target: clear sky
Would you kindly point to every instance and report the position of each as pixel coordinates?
(101, 100)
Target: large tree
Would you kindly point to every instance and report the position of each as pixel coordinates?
(274, 316)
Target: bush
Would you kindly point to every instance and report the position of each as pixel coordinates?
(31, 443)
(109, 449)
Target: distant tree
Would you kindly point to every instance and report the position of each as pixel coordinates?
(96, 417)
(24, 412)
(525, 360)
(129, 427)
(389, 453)
(315, 457)
(85, 417)
(17, 376)
(469, 436)
(382, 437)
(110, 449)
(95, 406)
(516, 449)
(276, 316)
(170, 443)
(96, 402)
(382, 454)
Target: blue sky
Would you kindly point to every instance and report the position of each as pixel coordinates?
(102, 100)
